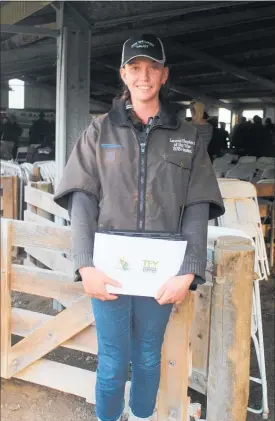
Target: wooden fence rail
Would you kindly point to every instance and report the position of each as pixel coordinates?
(227, 353)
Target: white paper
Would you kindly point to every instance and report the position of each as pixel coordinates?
(141, 265)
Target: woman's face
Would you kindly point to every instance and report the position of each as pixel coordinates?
(144, 78)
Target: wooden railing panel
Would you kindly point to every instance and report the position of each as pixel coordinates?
(28, 234)
(24, 322)
(44, 201)
(45, 283)
(51, 335)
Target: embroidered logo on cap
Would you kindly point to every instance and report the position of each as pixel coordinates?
(142, 44)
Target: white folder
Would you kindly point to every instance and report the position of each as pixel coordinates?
(141, 265)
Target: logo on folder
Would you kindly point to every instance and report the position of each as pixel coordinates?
(147, 265)
(150, 266)
(123, 264)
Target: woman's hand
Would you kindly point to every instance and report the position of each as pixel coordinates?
(94, 283)
(175, 289)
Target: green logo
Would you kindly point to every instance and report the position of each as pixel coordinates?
(150, 266)
(123, 264)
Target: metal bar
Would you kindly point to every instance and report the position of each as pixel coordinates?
(29, 30)
(239, 37)
(26, 53)
(78, 16)
(166, 13)
(193, 93)
(15, 11)
(61, 99)
(104, 88)
(199, 24)
(226, 67)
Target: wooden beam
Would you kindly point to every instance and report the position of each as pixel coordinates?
(15, 11)
(226, 67)
(29, 30)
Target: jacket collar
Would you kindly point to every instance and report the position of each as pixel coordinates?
(168, 115)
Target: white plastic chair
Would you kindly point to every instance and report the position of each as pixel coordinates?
(267, 180)
(222, 166)
(267, 160)
(228, 157)
(22, 153)
(242, 171)
(268, 173)
(247, 159)
(242, 212)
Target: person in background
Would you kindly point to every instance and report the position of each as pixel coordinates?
(4, 128)
(50, 138)
(39, 130)
(15, 133)
(199, 119)
(218, 143)
(260, 139)
(224, 134)
(270, 127)
(11, 132)
(240, 136)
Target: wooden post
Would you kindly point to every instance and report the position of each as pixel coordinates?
(45, 187)
(36, 174)
(5, 296)
(200, 333)
(230, 332)
(172, 399)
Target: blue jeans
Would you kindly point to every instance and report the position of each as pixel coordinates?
(128, 329)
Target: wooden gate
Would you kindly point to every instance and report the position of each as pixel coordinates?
(73, 327)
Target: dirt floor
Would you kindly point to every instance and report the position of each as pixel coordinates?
(21, 401)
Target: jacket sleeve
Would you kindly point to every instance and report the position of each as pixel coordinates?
(83, 212)
(203, 186)
(81, 171)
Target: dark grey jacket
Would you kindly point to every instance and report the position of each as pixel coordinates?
(141, 183)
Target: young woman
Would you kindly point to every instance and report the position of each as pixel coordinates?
(139, 167)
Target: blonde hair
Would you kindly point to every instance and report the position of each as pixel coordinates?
(199, 109)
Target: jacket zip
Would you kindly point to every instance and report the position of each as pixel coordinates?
(143, 144)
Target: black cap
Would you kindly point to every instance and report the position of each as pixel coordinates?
(144, 46)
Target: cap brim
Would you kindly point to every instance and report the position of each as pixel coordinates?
(143, 55)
